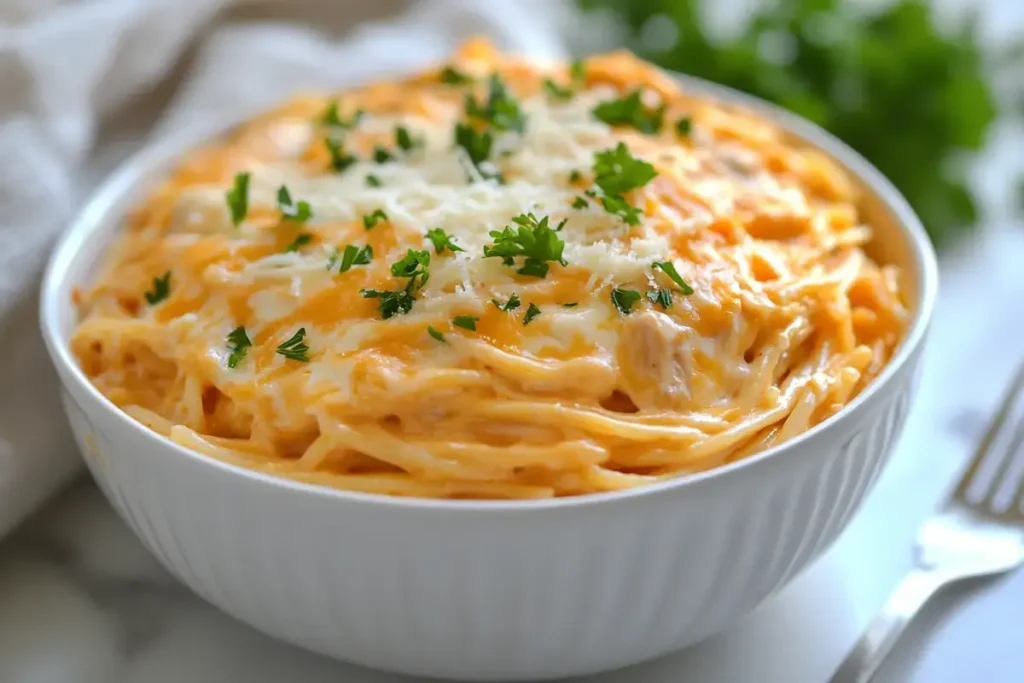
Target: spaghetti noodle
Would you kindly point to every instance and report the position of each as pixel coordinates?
(493, 280)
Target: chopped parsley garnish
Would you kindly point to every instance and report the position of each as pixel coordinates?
(450, 76)
(301, 240)
(557, 92)
(442, 240)
(238, 198)
(510, 305)
(575, 176)
(295, 348)
(161, 289)
(415, 265)
(618, 206)
(352, 256)
(684, 125)
(381, 155)
(533, 239)
(331, 117)
(371, 220)
(531, 313)
(405, 141)
(299, 211)
(434, 333)
(669, 269)
(624, 299)
(577, 71)
(662, 297)
(571, 304)
(631, 111)
(391, 302)
(372, 180)
(466, 322)
(340, 159)
(580, 203)
(238, 343)
(477, 146)
(501, 110)
(617, 171)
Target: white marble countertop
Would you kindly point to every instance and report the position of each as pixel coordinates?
(82, 602)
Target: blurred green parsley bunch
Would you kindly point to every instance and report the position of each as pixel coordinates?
(912, 99)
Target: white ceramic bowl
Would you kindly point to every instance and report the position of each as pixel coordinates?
(490, 590)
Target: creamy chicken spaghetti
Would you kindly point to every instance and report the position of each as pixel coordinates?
(493, 280)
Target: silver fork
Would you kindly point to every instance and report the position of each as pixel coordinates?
(979, 532)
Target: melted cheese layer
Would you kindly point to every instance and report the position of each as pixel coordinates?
(788, 319)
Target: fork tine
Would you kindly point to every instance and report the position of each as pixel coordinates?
(969, 478)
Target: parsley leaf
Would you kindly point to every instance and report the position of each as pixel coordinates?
(663, 297)
(294, 348)
(580, 203)
(478, 148)
(331, 117)
(301, 240)
(575, 176)
(684, 126)
(391, 302)
(371, 220)
(161, 289)
(618, 206)
(372, 180)
(624, 299)
(577, 71)
(533, 239)
(340, 159)
(466, 322)
(501, 110)
(381, 155)
(571, 304)
(531, 313)
(450, 76)
(669, 269)
(557, 92)
(300, 211)
(415, 265)
(442, 240)
(352, 256)
(238, 198)
(405, 141)
(617, 171)
(631, 111)
(510, 305)
(434, 333)
(238, 343)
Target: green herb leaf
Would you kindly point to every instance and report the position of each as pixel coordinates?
(391, 302)
(618, 206)
(372, 180)
(238, 344)
(617, 171)
(684, 126)
(294, 348)
(575, 176)
(663, 297)
(557, 92)
(631, 111)
(531, 312)
(577, 71)
(332, 118)
(238, 198)
(299, 212)
(501, 110)
(352, 256)
(161, 289)
(415, 264)
(301, 240)
(405, 141)
(533, 239)
(381, 155)
(669, 269)
(580, 203)
(466, 322)
(510, 305)
(340, 159)
(571, 304)
(434, 333)
(624, 299)
(450, 76)
(478, 148)
(371, 220)
(442, 240)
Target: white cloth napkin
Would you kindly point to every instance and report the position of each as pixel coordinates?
(70, 68)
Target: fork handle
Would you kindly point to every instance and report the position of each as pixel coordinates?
(905, 601)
